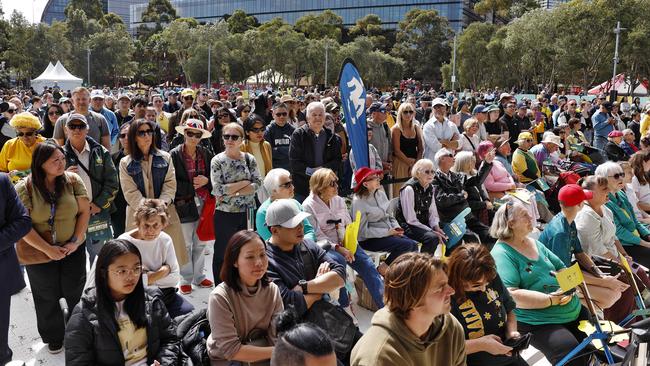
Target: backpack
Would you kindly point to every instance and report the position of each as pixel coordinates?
(193, 330)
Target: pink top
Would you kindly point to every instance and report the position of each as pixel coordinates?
(499, 180)
(321, 213)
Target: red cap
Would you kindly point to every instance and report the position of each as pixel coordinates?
(572, 195)
(362, 174)
(615, 133)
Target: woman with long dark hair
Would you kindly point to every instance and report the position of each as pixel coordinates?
(242, 307)
(54, 111)
(149, 173)
(118, 322)
(59, 207)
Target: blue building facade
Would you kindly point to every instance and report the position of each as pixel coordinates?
(459, 12)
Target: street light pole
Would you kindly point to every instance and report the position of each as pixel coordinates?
(209, 63)
(88, 62)
(617, 31)
(326, 52)
(453, 66)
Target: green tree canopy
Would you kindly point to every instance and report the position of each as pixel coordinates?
(240, 22)
(327, 24)
(92, 8)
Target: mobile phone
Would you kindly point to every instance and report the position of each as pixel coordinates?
(519, 344)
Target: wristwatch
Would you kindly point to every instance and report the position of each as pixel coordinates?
(72, 240)
(303, 284)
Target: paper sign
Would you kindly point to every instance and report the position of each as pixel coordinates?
(569, 278)
(606, 326)
(350, 240)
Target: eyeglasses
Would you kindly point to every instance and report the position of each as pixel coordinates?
(145, 133)
(428, 171)
(257, 130)
(11, 111)
(26, 134)
(76, 127)
(528, 140)
(124, 273)
(224, 115)
(618, 175)
(246, 111)
(122, 135)
(334, 183)
(53, 113)
(231, 137)
(287, 184)
(408, 112)
(193, 134)
(281, 114)
(371, 178)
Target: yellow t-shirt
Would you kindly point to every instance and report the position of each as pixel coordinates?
(645, 125)
(15, 155)
(390, 121)
(163, 121)
(133, 340)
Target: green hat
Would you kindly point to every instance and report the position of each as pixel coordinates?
(492, 108)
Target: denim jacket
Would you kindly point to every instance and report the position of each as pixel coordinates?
(159, 168)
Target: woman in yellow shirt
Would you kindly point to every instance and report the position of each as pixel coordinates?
(16, 154)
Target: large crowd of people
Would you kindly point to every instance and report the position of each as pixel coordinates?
(468, 207)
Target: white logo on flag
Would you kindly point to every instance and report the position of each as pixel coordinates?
(356, 98)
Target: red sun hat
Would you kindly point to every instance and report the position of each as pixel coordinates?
(362, 174)
(572, 195)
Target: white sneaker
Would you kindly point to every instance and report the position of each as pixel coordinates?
(348, 310)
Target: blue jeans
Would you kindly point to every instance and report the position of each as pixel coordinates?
(396, 245)
(600, 142)
(366, 269)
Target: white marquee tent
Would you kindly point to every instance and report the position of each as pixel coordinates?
(56, 75)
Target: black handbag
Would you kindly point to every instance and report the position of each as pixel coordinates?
(338, 325)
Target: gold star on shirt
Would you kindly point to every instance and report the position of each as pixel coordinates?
(497, 303)
(501, 324)
(487, 316)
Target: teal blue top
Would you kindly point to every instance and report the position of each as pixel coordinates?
(628, 229)
(265, 233)
(518, 271)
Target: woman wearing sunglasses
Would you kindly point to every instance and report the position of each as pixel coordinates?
(221, 117)
(259, 148)
(632, 234)
(235, 179)
(54, 111)
(149, 173)
(16, 154)
(407, 144)
(192, 165)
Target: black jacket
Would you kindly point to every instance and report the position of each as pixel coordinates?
(15, 223)
(301, 156)
(91, 342)
(476, 196)
(184, 200)
(449, 191)
(615, 152)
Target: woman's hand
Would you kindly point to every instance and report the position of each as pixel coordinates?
(322, 269)
(70, 247)
(559, 298)
(492, 344)
(489, 205)
(513, 335)
(613, 283)
(441, 234)
(395, 232)
(489, 157)
(155, 363)
(199, 181)
(56, 253)
(346, 254)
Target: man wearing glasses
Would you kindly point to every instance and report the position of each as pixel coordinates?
(278, 134)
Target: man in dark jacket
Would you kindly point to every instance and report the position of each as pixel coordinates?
(93, 163)
(513, 123)
(313, 147)
(451, 195)
(14, 224)
(278, 134)
(295, 264)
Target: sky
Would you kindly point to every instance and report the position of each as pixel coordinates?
(31, 9)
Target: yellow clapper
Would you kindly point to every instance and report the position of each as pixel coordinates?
(350, 240)
(569, 278)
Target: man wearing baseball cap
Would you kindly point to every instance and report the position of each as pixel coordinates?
(97, 97)
(439, 131)
(300, 268)
(561, 237)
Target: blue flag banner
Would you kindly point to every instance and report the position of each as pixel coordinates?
(353, 100)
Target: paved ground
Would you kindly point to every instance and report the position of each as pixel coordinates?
(27, 346)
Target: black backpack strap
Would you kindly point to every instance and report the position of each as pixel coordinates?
(308, 262)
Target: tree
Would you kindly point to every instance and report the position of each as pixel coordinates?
(370, 26)
(111, 56)
(20, 37)
(240, 22)
(92, 8)
(157, 14)
(504, 8)
(473, 61)
(423, 43)
(78, 28)
(110, 19)
(52, 46)
(327, 24)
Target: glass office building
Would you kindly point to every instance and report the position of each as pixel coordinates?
(459, 12)
(55, 10)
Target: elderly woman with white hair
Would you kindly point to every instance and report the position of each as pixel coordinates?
(278, 185)
(525, 266)
(632, 234)
(313, 147)
(416, 210)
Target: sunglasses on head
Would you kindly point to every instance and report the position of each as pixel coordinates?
(145, 133)
(281, 114)
(287, 184)
(26, 134)
(618, 175)
(53, 113)
(76, 127)
(193, 134)
(231, 137)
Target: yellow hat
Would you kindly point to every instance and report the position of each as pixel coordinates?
(188, 91)
(524, 136)
(25, 120)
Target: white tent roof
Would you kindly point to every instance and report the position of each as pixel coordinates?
(56, 75)
(267, 77)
